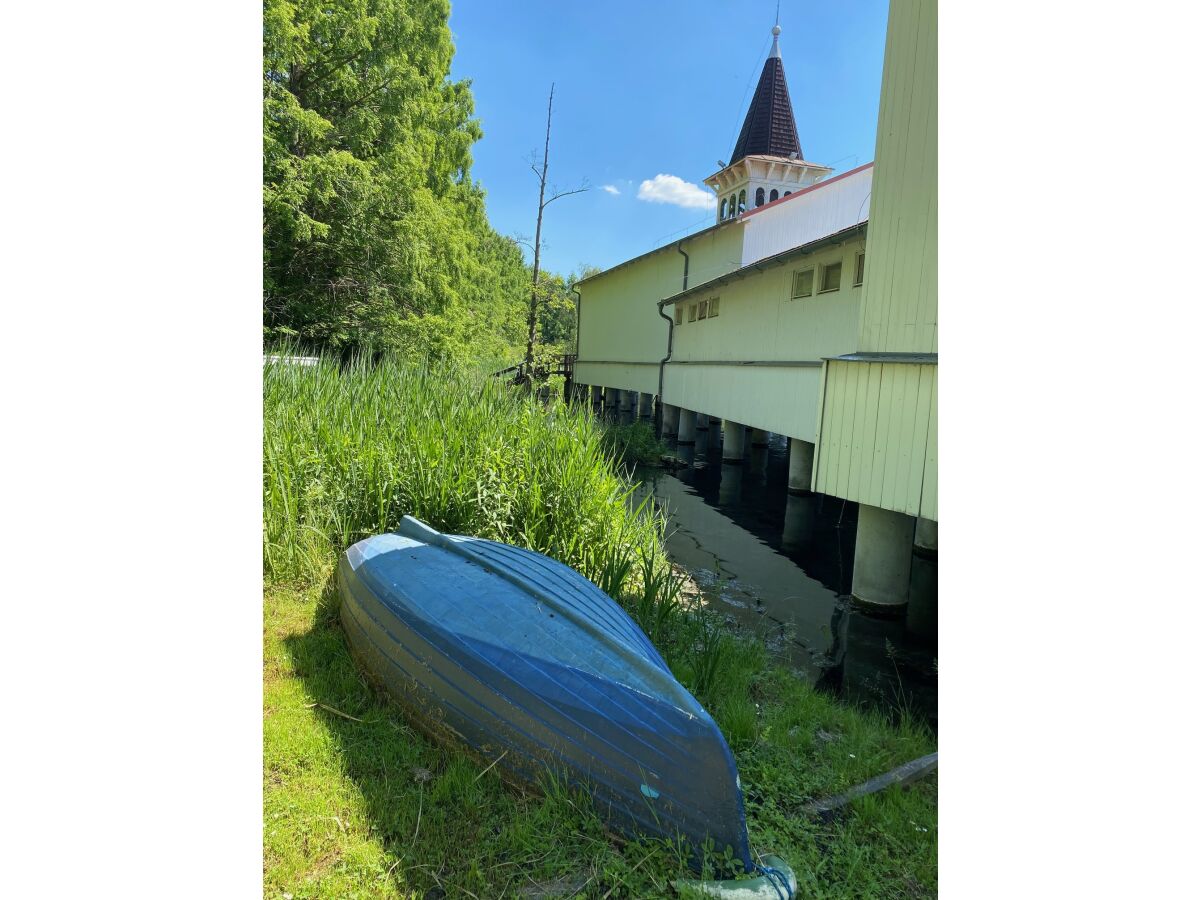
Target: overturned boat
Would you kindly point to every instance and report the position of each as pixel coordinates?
(535, 669)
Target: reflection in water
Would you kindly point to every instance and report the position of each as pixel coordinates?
(780, 565)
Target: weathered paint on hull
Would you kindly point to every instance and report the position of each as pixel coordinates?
(555, 678)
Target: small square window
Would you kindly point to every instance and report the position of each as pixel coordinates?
(802, 283)
(860, 268)
(691, 312)
(831, 277)
(703, 309)
(678, 314)
(714, 307)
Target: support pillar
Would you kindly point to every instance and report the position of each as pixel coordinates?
(701, 421)
(734, 445)
(645, 406)
(882, 557)
(610, 404)
(925, 542)
(712, 444)
(670, 420)
(800, 466)
(627, 403)
(687, 426)
(758, 437)
(597, 399)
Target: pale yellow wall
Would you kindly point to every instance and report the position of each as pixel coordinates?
(900, 296)
(878, 436)
(618, 309)
(877, 441)
(783, 401)
(759, 322)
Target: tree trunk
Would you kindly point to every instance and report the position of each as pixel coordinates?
(537, 243)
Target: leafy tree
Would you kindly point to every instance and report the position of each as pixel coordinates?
(374, 232)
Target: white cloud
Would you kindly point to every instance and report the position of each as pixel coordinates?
(611, 189)
(674, 190)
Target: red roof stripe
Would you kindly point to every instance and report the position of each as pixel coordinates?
(803, 191)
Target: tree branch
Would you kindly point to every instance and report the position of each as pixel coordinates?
(565, 194)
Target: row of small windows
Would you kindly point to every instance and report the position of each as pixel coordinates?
(705, 309)
(830, 277)
(735, 204)
(803, 281)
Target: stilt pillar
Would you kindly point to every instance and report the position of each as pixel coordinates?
(597, 399)
(800, 466)
(734, 444)
(758, 437)
(687, 426)
(925, 541)
(701, 421)
(627, 403)
(882, 557)
(670, 420)
(645, 406)
(610, 404)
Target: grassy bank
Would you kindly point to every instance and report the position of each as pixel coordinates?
(358, 804)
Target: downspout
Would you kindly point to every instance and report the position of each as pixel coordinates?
(578, 299)
(670, 333)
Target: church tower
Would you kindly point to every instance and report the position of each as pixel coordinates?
(767, 161)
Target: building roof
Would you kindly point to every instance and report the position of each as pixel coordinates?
(845, 234)
(770, 126)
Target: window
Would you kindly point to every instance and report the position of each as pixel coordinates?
(703, 309)
(802, 283)
(741, 207)
(691, 312)
(760, 197)
(787, 193)
(724, 208)
(831, 276)
(732, 205)
(774, 195)
(714, 307)
(678, 314)
(860, 268)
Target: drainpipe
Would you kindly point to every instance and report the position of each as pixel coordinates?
(578, 298)
(670, 336)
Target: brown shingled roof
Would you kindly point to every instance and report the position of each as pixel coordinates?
(770, 126)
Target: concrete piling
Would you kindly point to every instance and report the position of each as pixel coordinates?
(882, 557)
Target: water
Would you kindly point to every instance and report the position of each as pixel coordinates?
(780, 566)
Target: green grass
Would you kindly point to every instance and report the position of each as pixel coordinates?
(358, 804)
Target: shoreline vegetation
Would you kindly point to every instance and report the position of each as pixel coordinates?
(357, 803)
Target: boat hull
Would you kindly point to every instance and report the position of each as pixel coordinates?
(528, 664)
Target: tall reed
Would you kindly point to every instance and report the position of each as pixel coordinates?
(348, 451)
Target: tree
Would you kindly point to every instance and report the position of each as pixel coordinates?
(540, 170)
(374, 232)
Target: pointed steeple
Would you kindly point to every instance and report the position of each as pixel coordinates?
(770, 126)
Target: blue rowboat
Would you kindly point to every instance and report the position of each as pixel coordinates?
(534, 668)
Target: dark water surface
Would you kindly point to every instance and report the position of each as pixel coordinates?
(780, 566)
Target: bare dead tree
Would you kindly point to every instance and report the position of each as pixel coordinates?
(540, 171)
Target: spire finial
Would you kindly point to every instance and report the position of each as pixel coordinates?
(775, 31)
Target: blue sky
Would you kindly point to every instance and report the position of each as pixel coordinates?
(645, 89)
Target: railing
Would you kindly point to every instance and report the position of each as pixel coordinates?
(564, 365)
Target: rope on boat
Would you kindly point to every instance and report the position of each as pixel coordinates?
(782, 888)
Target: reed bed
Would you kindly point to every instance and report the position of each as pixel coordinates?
(347, 453)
